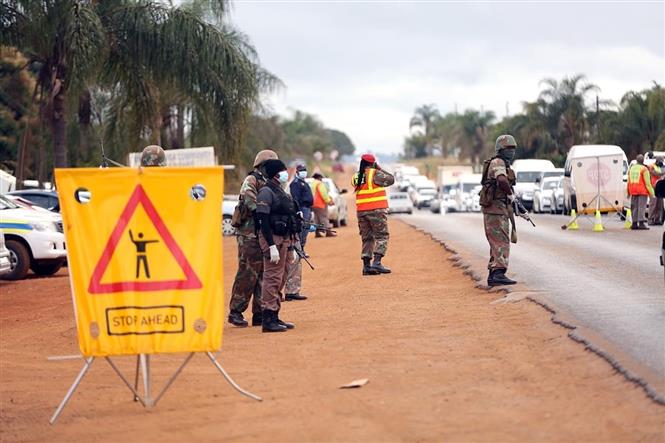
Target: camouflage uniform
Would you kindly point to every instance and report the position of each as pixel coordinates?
(153, 155)
(248, 279)
(496, 215)
(373, 224)
(293, 276)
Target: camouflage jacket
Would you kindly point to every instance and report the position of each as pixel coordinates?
(499, 204)
(248, 191)
(381, 178)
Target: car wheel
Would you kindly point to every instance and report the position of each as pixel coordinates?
(19, 260)
(47, 268)
(227, 228)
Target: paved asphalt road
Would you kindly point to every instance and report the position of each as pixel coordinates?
(608, 284)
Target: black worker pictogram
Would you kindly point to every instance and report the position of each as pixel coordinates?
(141, 253)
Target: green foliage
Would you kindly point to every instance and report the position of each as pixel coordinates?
(546, 128)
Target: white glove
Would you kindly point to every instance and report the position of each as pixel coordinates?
(293, 256)
(511, 198)
(274, 254)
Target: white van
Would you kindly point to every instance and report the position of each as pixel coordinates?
(527, 173)
(591, 171)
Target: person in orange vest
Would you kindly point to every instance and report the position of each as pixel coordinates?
(320, 206)
(639, 189)
(657, 171)
(372, 208)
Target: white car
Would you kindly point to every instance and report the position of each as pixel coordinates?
(338, 212)
(228, 206)
(34, 241)
(542, 198)
(557, 198)
(422, 194)
(399, 202)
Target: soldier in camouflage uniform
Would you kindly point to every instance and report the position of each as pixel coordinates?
(372, 209)
(247, 283)
(153, 155)
(496, 199)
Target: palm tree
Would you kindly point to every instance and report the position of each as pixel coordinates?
(139, 51)
(476, 126)
(566, 107)
(425, 118)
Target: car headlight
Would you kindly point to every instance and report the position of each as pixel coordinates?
(44, 226)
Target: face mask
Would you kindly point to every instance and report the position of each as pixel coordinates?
(507, 154)
(302, 174)
(283, 176)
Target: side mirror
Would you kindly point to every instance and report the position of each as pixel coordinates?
(566, 173)
(344, 191)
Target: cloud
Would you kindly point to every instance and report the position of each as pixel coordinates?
(363, 68)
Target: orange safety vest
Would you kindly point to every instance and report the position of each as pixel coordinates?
(370, 196)
(637, 184)
(654, 178)
(319, 202)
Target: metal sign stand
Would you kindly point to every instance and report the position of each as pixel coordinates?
(143, 362)
(597, 199)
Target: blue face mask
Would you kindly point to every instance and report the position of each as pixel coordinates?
(302, 174)
(283, 176)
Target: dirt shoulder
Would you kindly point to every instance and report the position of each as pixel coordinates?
(444, 364)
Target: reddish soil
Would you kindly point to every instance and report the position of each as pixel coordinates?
(444, 364)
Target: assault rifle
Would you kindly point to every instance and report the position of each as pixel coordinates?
(309, 225)
(521, 211)
(300, 253)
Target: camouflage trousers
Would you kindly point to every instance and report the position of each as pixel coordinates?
(247, 283)
(293, 275)
(373, 226)
(497, 231)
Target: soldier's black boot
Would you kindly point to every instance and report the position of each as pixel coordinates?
(291, 297)
(281, 322)
(257, 319)
(236, 319)
(634, 226)
(642, 227)
(498, 277)
(270, 322)
(378, 266)
(367, 268)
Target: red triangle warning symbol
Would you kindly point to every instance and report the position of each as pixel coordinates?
(191, 281)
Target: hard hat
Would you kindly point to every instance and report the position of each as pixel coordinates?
(153, 155)
(503, 142)
(264, 155)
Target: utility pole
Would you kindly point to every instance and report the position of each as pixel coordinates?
(507, 109)
(597, 119)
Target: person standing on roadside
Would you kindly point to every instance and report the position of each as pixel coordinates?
(657, 171)
(279, 225)
(639, 189)
(372, 209)
(320, 206)
(247, 283)
(301, 193)
(496, 198)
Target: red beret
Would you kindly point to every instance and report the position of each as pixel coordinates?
(369, 158)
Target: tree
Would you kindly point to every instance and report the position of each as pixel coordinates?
(151, 57)
(425, 118)
(476, 126)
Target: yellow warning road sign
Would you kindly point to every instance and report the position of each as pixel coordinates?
(144, 251)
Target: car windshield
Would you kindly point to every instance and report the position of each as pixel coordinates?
(468, 187)
(552, 174)
(527, 176)
(550, 184)
(5, 203)
(427, 191)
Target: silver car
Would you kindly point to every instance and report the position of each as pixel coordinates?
(338, 212)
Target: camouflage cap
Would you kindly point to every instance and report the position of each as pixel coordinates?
(504, 141)
(264, 155)
(153, 155)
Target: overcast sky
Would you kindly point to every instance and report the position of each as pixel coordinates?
(363, 67)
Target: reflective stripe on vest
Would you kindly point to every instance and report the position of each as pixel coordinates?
(636, 183)
(370, 197)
